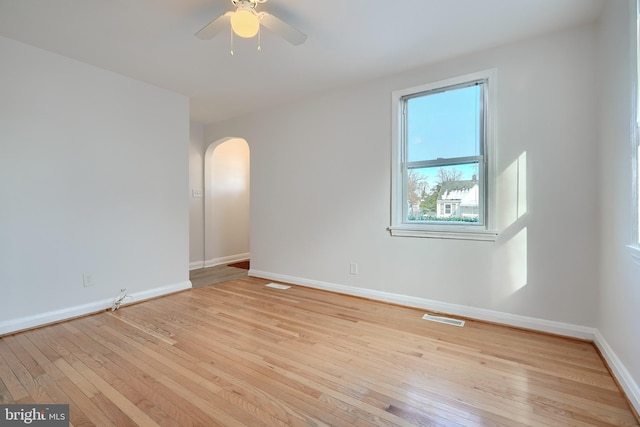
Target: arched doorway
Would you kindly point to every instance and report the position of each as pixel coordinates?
(226, 202)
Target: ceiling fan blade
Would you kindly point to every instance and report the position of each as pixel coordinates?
(281, 28)
(214, 27)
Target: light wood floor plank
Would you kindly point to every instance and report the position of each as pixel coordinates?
(368, 350)
(14, 389)
(201, 393)
(144, 380)
(238, 353)
(240, 396)
(27, 380)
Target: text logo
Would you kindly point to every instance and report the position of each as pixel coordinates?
(34, 415)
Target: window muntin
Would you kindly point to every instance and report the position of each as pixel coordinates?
(442, 131)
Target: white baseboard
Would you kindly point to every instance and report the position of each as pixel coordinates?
(28, 322)
(226, 260)
(620, 372)
(158, 292)
(525, 322)
(195, 265)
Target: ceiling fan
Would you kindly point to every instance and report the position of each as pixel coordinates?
(245, 22)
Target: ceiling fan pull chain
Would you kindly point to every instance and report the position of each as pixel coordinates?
(231, 41)
(259, 41)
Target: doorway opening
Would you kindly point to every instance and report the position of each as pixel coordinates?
(226, 212)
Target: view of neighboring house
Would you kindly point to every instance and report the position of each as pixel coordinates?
(458, 199)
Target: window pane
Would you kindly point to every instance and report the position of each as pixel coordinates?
(444, 194)
(444, 124)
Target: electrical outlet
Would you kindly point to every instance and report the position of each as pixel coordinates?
(353, 268)
(87, 280)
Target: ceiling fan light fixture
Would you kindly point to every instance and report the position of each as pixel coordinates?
(245, 23)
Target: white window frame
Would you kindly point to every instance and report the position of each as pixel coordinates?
(399, 225)
(634, 246)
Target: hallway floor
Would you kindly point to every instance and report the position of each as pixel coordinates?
(217, 274)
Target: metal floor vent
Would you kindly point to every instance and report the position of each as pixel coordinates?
(445, 320)
(277, 286)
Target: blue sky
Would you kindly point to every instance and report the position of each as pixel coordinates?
(444, 125)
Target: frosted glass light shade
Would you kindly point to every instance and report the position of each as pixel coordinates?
(245, 23)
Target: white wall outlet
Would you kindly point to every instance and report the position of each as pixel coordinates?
(197, 192)
(87, 280)
(353, 268)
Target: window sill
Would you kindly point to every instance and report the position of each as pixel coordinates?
(415, 231)
(634, 251)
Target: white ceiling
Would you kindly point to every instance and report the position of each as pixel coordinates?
(348, 40)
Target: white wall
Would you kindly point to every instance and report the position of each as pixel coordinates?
(619, 292)
(320, 175)
(93, 179)
(227, 200)
(196, 204)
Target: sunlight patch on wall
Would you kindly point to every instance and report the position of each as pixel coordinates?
(522, 184)
(516, 254)
(511, 266)
(512, 183)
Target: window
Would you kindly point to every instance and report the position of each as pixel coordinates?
(635, 137)
(634, 245)
(442, 139)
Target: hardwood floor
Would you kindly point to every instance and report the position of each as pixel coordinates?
(239, 353)
(213, 275)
